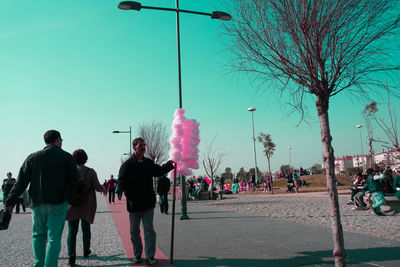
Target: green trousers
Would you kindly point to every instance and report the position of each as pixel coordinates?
(48, 225)
(73, 226)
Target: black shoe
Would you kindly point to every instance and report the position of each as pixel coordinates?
(86, 253)
(166, 212)
(72, 259)
(150, 261)
(137, 259)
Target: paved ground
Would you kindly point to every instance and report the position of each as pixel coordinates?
(241, 230)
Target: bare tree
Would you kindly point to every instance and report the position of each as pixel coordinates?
(269, 148)
(316, 48)
(155, 135)
(211, 160)
(389, 128)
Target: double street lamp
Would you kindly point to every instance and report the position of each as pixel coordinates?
(252, 109)
(131, 5)
(130, 138)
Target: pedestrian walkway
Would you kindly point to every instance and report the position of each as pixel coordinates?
(213, 236)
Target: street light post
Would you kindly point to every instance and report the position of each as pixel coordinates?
(130, 138)
(290, 159)
(359, 126)
(252, 109)
(131, 5)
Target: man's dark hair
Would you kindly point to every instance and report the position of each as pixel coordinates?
(370, 171)
(136, 141)
(80, 156)
(51, 136)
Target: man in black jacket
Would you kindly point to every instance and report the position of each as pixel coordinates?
(52, 175)
(136, 181)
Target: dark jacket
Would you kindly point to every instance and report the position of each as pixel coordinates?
(7, 185)
(163, 185)
(51, 174)
(136, 181)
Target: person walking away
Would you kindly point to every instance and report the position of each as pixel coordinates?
(136, 181)
(105, 184)
(163, 186)
(86, 212)
(111, 185)
(118, 191)
(7, 185)
(20, 201)
(52, 176)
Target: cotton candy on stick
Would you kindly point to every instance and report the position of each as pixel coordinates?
(183, 143)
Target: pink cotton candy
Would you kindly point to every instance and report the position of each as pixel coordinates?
(183, 142)
(179, 112)
(175, 155)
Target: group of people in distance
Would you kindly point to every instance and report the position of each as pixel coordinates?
(368, 191)
(53, 175)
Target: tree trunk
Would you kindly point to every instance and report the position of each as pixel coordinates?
(270, 177)
(339, 252)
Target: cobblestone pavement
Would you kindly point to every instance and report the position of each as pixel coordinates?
(313, 209)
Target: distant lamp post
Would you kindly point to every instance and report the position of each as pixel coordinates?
(359, 126)
(130, 138)
(290, 159)
(252, 109)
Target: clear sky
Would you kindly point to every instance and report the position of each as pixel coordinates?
(87, 68)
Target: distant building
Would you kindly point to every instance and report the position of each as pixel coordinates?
(343, 164)
(385, 158)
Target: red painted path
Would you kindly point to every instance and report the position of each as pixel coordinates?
(121, 219)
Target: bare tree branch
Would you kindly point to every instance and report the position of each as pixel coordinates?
(155, 135)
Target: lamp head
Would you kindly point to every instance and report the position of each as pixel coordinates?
(221, 15)
(130, 5)
(359, 126)
(115, 132)
(251, 109)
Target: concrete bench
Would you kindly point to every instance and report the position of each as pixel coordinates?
(392, 202)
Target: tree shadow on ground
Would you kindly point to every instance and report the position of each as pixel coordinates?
(306, 258)
(106, 260)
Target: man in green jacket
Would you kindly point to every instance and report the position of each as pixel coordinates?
(52, 175)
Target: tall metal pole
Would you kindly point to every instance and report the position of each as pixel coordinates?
(290, 159)
(254, 147)
(184, 215)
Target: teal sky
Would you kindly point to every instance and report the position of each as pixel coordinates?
(87, 68)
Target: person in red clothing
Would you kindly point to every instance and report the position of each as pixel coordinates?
(111, 185)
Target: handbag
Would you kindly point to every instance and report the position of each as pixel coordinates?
(5, 218)
(79, 196)
(378, 199)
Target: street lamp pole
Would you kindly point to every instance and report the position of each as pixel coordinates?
(252, 109)
(359, 126)
(130, 138)
(290, 159)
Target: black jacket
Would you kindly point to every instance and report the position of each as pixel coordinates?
(51, 174)
(136, 181)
